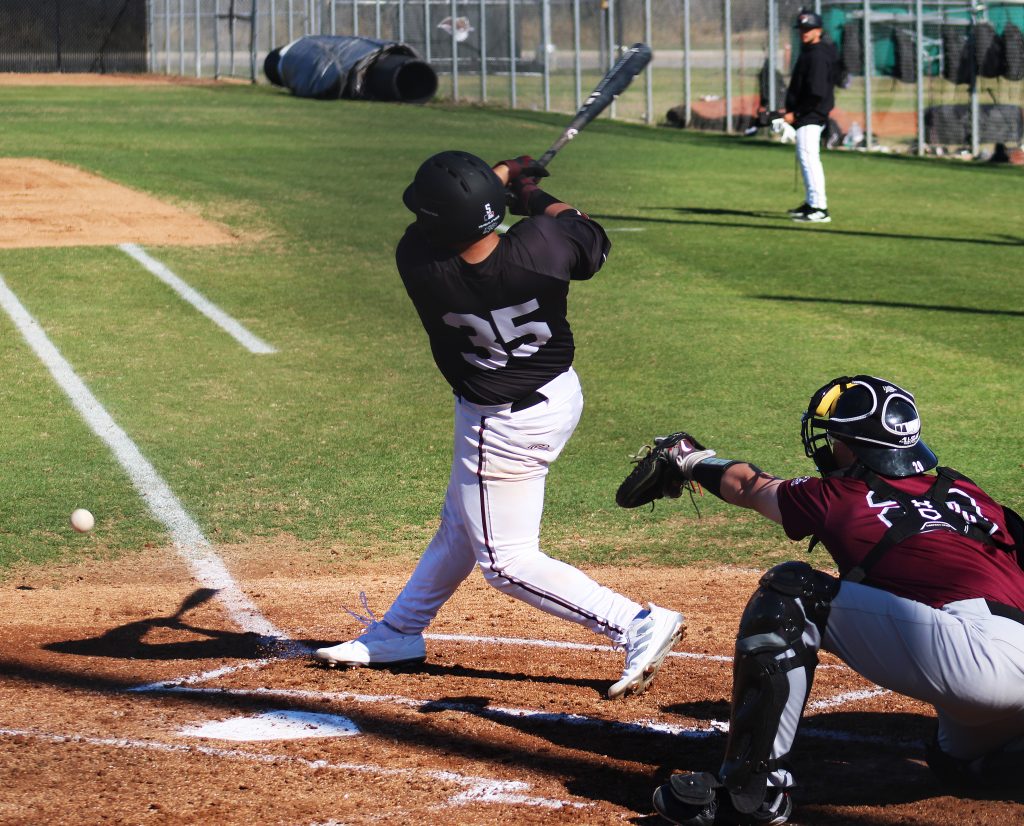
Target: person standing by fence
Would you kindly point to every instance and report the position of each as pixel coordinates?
(809, 99)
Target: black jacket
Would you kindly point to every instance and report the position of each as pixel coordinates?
(810, 96)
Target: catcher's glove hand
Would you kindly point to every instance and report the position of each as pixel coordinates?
(657, 473)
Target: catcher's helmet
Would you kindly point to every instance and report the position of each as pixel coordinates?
(876, 419)
(456, 197)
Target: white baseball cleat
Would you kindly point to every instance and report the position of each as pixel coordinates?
(379, 644)
(649, 638)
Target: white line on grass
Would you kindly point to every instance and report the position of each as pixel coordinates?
(186, 535)
(474, 789)
(250, 342)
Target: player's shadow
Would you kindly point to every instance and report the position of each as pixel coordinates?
(854, 758)
(435, 670)
(599, 686)
(694, 215)
(904, 305)
(130, 641)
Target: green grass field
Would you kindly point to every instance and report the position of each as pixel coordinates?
(714, 313)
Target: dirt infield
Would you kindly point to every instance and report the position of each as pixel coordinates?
(504, 723)
(96, 79)
(47, 204)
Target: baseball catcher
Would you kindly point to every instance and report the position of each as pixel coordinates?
(929, 601)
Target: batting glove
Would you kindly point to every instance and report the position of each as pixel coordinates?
(524, 165)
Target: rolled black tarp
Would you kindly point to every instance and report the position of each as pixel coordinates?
(357, 68)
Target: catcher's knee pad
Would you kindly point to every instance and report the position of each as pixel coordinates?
(768, 646)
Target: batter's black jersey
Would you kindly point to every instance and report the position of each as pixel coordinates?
(811, 92)
(498, 329)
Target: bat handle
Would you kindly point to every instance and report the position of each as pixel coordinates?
(545, 159)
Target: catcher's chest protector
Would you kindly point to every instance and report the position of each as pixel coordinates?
(933, 511)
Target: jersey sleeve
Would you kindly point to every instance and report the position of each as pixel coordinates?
(803, 505)
(589, 240)
(567, 245)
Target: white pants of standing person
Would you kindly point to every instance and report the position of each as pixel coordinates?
(492, 515)
(808, 154)
(961, 659)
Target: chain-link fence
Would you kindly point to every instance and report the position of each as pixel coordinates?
(944, 75)
(73, 36)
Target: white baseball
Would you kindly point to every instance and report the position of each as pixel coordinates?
(82, 521)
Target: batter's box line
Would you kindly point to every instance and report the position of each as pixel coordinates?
(294, 650)
(582, 646)
(475, 789)
(505, 715)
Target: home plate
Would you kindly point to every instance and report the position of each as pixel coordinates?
(276, 725)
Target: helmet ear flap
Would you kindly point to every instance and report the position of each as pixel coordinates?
(828, 400)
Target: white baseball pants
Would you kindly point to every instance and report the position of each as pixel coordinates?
(808, 154)
(492, 513)
(960, 658)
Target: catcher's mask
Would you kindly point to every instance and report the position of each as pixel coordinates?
(456, 197)
(876, 419)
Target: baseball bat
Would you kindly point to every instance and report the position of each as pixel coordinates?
(619, 76)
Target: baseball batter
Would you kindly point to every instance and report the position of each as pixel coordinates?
(929, 602)
(494, 310)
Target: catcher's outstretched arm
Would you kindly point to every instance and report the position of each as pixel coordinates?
(680, 458)
(741, 484)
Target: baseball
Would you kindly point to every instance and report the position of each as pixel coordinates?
(82, 521)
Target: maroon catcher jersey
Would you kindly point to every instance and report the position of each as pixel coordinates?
(498, 329)
(936, 568)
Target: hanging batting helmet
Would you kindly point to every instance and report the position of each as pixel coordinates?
(876, 419)
(456, 198)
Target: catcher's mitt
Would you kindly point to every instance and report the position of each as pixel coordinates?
(656, 475)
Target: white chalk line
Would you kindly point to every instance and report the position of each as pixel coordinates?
(504, 715)
(297, 650)
(475, 789)
(251, 342)
(206, 676)
(847, 697)
(583, 646)
(186, 535)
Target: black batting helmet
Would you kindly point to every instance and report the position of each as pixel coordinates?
(875, 418)
(456, 198)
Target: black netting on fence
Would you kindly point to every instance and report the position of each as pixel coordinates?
(73, 36)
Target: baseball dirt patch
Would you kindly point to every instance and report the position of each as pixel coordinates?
(47, 204)
(127, 696)
(96, 79)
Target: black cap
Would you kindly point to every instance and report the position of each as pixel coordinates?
(808, 20)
